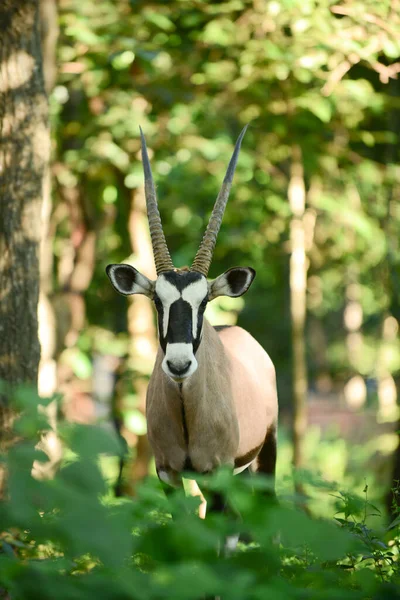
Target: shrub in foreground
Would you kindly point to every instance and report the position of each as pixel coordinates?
(69, 538)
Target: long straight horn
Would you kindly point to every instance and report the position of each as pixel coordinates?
(204, 255)
(161, 253)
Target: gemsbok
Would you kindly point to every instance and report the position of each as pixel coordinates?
(212, 397)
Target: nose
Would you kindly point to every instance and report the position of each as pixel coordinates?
(179, 369)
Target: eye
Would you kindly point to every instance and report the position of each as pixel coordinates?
(157, 302)
(203, 303)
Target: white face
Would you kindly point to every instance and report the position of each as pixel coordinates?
(180, 300)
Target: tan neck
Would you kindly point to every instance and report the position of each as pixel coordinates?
(210, 411)
(196, 420)
(212, 374)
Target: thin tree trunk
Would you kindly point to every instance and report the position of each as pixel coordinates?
(49, 34)
(142, 332)
(47, 328)
(24, 155)
(355, 391)
(392, 384)
(47, 379)
(75, 272)
(391, 228)
(298, 287)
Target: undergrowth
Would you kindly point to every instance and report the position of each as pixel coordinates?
(69, 538)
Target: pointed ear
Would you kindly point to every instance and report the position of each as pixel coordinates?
(127, 280)
(234, 282)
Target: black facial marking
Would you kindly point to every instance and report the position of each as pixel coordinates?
(180, 329)
(160, 314)
(200, 315)
(180, 323)
(157, 302)
(182, 279)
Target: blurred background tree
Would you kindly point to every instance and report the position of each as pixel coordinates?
(315, 207)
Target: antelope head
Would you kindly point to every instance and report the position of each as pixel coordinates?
(181, 295)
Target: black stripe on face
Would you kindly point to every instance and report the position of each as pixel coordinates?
(182, 279)
(200, 315)
(180, 329)
(180, 323)
(180, 312)
(160, 317)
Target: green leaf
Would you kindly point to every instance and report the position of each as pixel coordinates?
(160, 20)
(135, 421)
(317, 104)
(79, 362)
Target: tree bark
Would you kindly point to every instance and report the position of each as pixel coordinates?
(24, 154)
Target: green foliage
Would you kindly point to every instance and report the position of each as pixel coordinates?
(306, 73)
(311, 73)
(68, 537)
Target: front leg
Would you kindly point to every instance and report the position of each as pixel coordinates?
(194, 490)
(169, 478)
(170, 481)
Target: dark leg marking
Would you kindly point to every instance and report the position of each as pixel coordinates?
(266, 461)
(267, 454)
(247, 458)
(215, 502)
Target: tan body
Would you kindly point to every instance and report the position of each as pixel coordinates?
(222, 415)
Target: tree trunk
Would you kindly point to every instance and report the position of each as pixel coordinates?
(298, 287)
(392, 323)
(75, 271)
(24, 154)
(142, 332)
(355, 390)
(49, 34)
(47, 329)
(47, 377)
(391, 228)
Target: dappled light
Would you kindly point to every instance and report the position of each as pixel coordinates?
(314, 211)
(355, 392)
